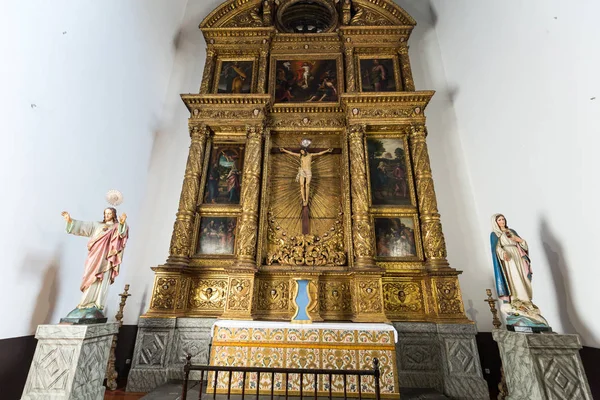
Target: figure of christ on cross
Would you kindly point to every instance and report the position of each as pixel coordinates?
(305, 170)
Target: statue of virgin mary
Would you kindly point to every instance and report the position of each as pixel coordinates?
(512, 271)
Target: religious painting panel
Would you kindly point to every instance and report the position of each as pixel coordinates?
(389, 171)
(397, 238)
(217, 236)
(302, 79)
(235, 76)
(224, 175)
(379, 75)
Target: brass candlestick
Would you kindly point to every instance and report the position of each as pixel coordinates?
(502, 388)
(492, 303)
(111, 373)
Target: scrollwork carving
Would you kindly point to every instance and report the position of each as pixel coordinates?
(327, 249)
(208, 294)
(250, 19)
(365, 17)
(163, 297)
(335, 297)
(368, 296)
(239, 297)
(273, 295)
(403, 297)
(448, 297)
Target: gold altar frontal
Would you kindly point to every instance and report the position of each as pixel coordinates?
(337, 346)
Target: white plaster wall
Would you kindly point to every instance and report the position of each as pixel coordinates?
(82, 89)
(453, 187)
(526, 93)
(168, 158)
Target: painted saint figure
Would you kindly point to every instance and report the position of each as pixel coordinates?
(105, 253)
(304, 175)
(235, 77)
(512, 271)
(379, 76)
(233, 180)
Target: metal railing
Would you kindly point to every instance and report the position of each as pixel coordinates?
(375, 373)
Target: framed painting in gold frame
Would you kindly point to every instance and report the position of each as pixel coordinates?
(379, 74)
(397, 237)
(389, 171)
(216, 236)
(223, 179)
(235, 75)
(306, 79)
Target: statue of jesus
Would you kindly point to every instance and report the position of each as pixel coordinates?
(105, 251)
(304, 175)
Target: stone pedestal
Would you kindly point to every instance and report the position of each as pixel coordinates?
(161, 347)
(542, 366)
(69, 362)
(443, 357)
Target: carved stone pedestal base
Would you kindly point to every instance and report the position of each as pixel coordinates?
(443, 357)
(69, 362)
(542, 366)
(161, 347)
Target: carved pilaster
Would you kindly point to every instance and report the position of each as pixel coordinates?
(248, 224)
(434, 244)
(346, 12)
(239, 296)
(209, 70)
(267, 12)
(362, 230)
(407, 78)
(183, 230)
(368, 299)
(262, 71)
(350, 70)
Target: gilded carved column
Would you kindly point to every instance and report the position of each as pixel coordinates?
(407, 78)
(248, 225)
(434, 244)
(209, 70)
(350, 70)
(241, 276)
(362, 230)
(262, 71)
(183, 230)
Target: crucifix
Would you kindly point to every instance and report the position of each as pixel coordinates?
(304, 177)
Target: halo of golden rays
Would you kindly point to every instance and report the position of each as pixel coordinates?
(324, 193)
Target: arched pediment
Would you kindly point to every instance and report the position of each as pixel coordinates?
(261, 13)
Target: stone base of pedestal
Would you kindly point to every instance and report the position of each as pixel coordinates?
(161, 347)
(443, 357)
(542, 366)
(69, 362)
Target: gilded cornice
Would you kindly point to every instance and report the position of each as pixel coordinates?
(227, 11)
(228, 35)
(370, 35)
(226, 110)
(389, 9)
(381, 108)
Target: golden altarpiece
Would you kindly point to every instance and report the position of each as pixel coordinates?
(332, 79)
